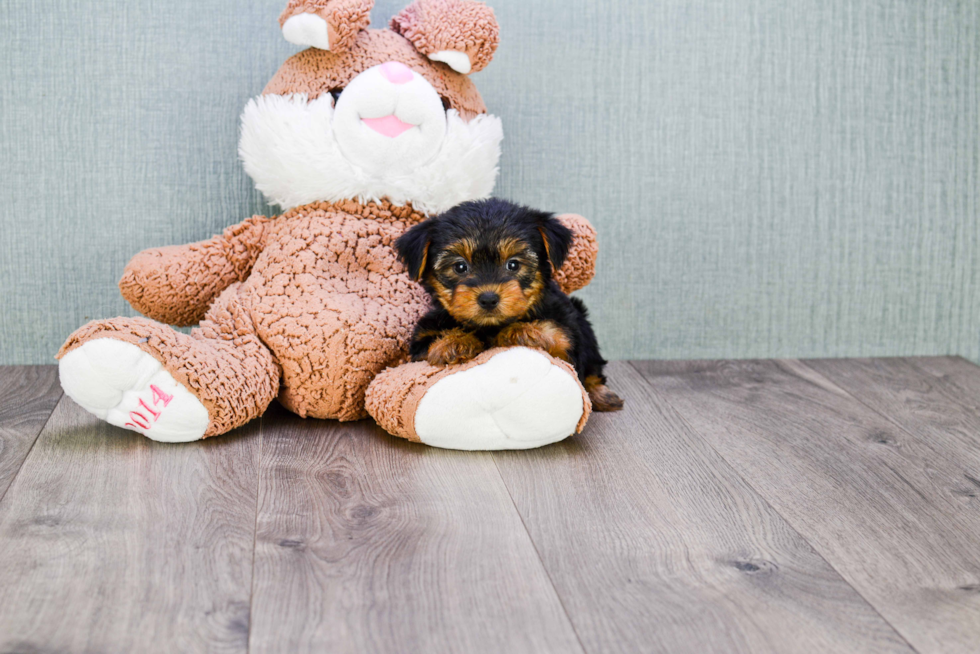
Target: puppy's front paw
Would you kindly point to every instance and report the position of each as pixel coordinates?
(455, 346)
(541, 334)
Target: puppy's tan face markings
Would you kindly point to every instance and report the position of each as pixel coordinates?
(465, 305)
(514, 248)
(463, 249)
(507, 268)
(452, 264)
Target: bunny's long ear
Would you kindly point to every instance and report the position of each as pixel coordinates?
(461, 33)
(325, 24)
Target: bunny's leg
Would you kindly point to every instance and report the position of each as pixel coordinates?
(141, 375)
(504, 399)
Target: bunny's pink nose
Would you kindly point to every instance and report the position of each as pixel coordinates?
(396, 72)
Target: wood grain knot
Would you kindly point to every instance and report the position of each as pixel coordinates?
(973, 490)
(363, 513)
(882, 437)
(47, 521)
(754, 566)
(338, 481)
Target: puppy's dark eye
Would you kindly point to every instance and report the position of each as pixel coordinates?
(513, 265)
(460, 268)
(336, 95)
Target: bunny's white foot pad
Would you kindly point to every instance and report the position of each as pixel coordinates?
(517, 400)
(126, 387)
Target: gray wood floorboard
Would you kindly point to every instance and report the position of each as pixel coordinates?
(112, 543)
(829, 505)
(872, 498)
(936, 396)
(656, 545)
(28, 395)
(937, 402)
(366, 543)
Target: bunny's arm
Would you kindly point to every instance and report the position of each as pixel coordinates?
(176, 284)
(579, 267)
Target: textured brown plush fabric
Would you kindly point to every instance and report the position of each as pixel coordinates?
(315, 72)
(579, 267)
(344, 18)
(461, 25)
(394, 396)
(223, 362)
(330, 299)
(177, 284)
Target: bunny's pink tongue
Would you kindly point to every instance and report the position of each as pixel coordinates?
(389, 126)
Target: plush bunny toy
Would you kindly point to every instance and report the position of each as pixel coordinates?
(357, 138)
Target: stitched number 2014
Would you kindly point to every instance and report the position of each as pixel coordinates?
(140, 421)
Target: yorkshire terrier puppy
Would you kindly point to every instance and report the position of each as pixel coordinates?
(488, 266)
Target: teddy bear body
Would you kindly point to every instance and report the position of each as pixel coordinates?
(325, 302)
(312, 306)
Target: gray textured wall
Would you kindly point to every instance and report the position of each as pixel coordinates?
(768, 178)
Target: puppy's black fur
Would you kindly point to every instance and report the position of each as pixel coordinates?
(488, 266)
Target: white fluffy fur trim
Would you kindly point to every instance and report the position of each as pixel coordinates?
(288, 148)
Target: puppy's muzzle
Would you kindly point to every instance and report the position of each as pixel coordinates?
(488, 300)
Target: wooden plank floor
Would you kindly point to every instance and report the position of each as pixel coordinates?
(751, 506)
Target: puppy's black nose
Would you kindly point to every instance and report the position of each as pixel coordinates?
(488, 300)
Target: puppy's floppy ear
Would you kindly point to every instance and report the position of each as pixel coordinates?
(557, 239)
(413, 248)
